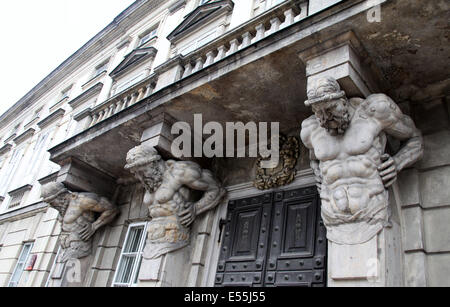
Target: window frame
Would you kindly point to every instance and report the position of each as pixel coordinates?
(128, 83)
(52, 269)
(148, 33)
(138, 255)
(198, 42)
(19, 262)
(100, 68)
(14, 161)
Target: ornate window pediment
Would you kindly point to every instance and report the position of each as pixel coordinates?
(132, 60)
(200, 16)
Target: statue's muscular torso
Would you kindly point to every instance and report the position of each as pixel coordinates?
(349, 162)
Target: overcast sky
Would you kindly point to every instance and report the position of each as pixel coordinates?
(38, 35)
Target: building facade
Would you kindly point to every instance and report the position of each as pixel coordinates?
(90, 139)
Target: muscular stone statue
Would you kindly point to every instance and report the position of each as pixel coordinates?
(347, 140)
(169, 186)
(77, 214)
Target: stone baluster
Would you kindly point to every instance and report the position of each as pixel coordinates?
(221, 52)
(274, 25)
(133, 98)
(246, 40)
(260, 33)
(187, 69)
(94, 120)
(121, 104)
(149, 89)
(125, 103)
(101, 114)
(141, 93)
(289, 18)
(118, 106)
(198, 64)
(209, 58)
(111, 109)
(303, 14)
(234, 46)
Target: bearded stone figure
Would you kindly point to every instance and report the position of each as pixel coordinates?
(169, 186)
(77, 214)
(347, 141)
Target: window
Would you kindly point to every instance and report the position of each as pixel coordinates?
(147, 36)
(123, 86)
(20, 266)
(199, 42)
(37, 113)
(15, 129)
(10, 170)
(65, 93)
(131, 256)
(16, 199)
(52, 270)
(38, 148)
(101, 68)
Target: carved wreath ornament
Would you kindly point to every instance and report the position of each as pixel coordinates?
(284, 172)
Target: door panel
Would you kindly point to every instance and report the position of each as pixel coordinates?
(276, 239)
(245, 237)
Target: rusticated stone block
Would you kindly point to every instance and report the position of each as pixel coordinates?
(433, 189)
(437, 230)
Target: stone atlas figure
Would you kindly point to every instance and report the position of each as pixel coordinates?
(77, 214)
(347, 140)
(169, 185)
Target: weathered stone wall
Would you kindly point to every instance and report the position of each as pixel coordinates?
(425, 200)
(40, 227)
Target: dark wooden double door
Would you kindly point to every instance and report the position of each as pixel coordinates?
(275, 239)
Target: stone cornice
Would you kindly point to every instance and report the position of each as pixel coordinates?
(24, 188)
(94, 78)
(23, 212)
(10, 138)
(49, 178)
(177, 60)
(88, 94)
(130, 16)
(24, 136)
(5, 149)
(59, 103)
(176, 6)
(51, 118)
(31, 122)
(83, 114)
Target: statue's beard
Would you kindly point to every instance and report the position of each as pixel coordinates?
(337, 125)
(153, 181)
(60, 204)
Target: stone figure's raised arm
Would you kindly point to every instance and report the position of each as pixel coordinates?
(194, 177)
(398, 125)
(98, 204)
